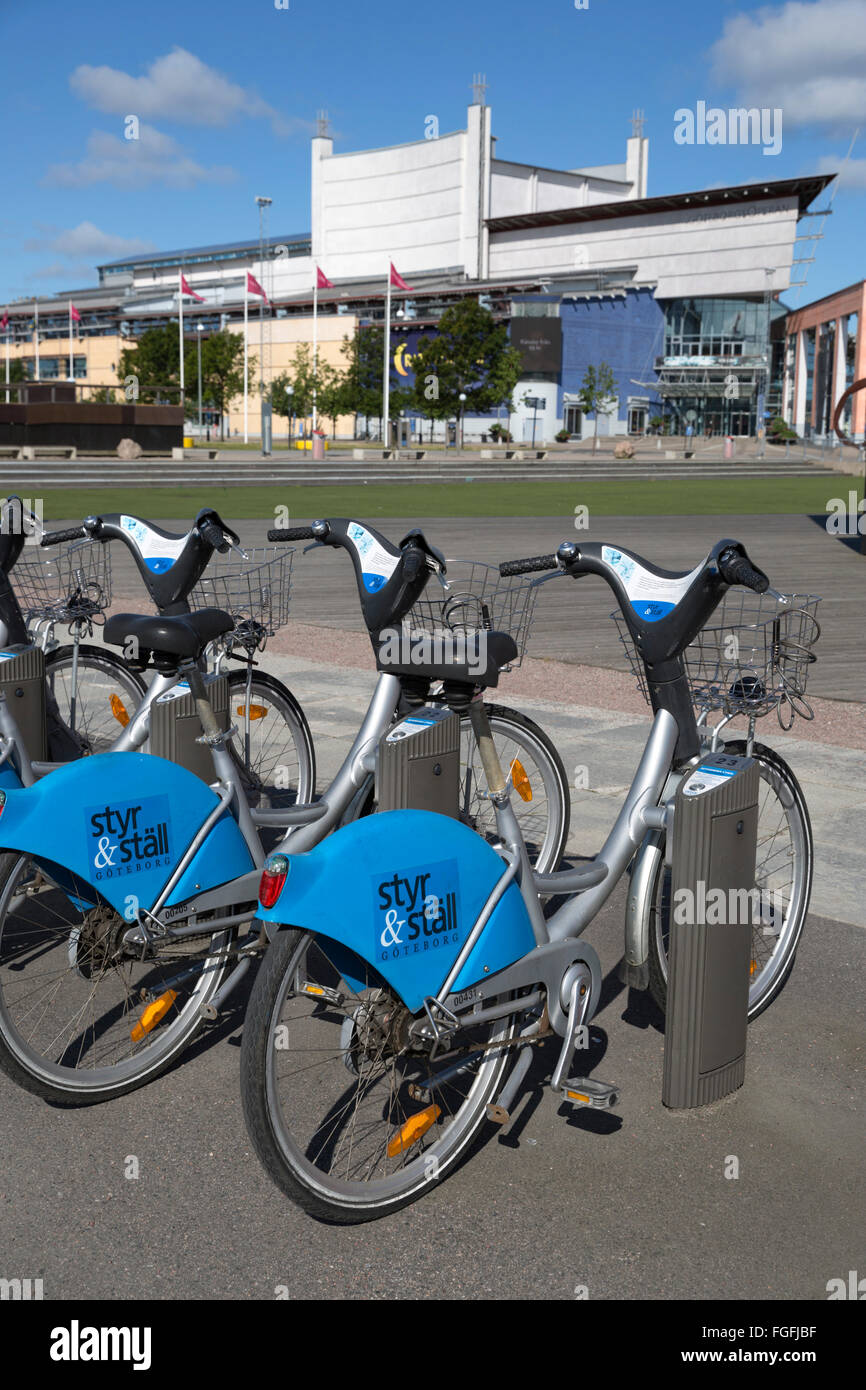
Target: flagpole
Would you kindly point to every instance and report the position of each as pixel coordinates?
(36, 305)
(246, 362)
(71, 372)
(315, 342)
(386, 382)
(180, 332)
(8, 325)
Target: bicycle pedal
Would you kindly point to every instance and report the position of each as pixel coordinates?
(585, 1091)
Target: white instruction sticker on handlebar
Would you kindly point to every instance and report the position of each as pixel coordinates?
(377, 565)
(651, 595)
(158, 552)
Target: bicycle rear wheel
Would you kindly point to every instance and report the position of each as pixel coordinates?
(81, 1019)
(347, 1119)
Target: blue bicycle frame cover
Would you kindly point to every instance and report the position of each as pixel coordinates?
(121, 822)
(403, 890)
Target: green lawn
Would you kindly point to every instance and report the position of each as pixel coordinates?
(643, 497)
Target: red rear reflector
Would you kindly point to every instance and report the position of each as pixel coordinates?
(274, 876)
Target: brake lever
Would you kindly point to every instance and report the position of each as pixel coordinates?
(232, 546)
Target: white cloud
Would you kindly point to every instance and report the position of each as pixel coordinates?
(851, 174)
(87, 241)
(152, 158)
(176, 87)
(807, 58)
(61, 270)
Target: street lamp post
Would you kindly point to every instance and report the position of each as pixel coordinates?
(462, 403)
(199, 330)
(290, 392)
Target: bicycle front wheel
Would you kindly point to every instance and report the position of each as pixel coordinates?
(783, 878)
(82, 1018)
(541, 798)
(89, 702)
(349, 1120)
(274, 745)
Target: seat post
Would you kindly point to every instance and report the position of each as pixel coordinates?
(204, 709)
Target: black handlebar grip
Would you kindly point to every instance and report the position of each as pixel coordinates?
(737, 570)
(74, 533)
(291, 533)
(538, 562)
(213, 535)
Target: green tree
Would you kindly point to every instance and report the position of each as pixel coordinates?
(470, 355)
(364, 371)
(281, 400)
(222, 371)
(155, 362)
(332, 395)
(17, 372)
(596, 390)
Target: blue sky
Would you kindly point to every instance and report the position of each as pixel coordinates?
(226, 94)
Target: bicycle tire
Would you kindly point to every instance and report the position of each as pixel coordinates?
(546, 844)
(67, 742)
(56, 951)
(298, 768)
(770, 979)
(290, 1160)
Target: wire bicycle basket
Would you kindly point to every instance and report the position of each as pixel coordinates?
(64, 583)
(476, 599)
(256, 591)
(752, 657)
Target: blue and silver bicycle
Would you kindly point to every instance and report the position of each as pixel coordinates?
(412, 971)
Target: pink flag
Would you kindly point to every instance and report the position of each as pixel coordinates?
(73, 313)
(185, 289)
(322, 281)
(397, 279)
(4, 323)
(254, 287)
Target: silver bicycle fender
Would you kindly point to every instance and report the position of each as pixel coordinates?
(634, 968)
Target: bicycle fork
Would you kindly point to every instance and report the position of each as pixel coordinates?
(577, 983)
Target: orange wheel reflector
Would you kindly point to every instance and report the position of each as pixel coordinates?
(119, 710)
(520, 781)
(256, 711)
(753, 965)
(152, 1014)
(413, 1130)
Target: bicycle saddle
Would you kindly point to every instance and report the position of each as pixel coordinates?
(185, 635)
(472, 658)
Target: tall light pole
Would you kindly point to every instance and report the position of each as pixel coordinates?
(199, 330)
(290, 390)
(263, 204)
(462, 404)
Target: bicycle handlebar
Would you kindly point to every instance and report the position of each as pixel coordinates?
(213, 535)
(532, 566)
(736, 569)
(73, 533)
(291, 533)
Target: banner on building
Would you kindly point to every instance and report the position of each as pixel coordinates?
(539, 342)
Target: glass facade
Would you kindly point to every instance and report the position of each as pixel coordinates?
(721, 371)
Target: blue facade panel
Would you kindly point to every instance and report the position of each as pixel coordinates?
(625, 332)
